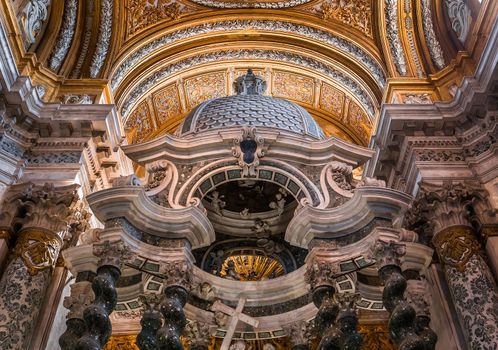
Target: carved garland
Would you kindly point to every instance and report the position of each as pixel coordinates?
(105, 31)
(65, 36)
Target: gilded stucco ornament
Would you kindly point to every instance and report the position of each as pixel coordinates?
(38, 249)
(456, 245)
(66, 34)
(32, 17)
(264, 4)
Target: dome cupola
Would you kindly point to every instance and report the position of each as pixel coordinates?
(250, 108)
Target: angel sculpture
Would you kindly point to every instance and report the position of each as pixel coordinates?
(217, 202)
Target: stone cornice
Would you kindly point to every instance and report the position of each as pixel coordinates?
(366, 204)
(216, 144)
(132, 203)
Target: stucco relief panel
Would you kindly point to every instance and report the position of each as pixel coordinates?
(293, 86)
(332, 100)
(205, 87)
(358, 121)
(167, 104)
(139, 124)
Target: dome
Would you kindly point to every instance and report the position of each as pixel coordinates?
(250, 107)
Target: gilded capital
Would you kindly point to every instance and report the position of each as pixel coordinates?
(38, 249)
(456, 245)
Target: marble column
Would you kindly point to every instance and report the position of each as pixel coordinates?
(151, 321)
(80, 298)
(418, 295)
(336, 321)
(448, 209)
(44, 221)
(402, 315)
(176, 285)
(98, 326)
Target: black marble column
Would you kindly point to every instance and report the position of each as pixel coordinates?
(168, 336)
(151, 322)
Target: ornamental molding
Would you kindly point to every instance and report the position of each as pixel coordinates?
(267, 4)
(66, 34)
(393, 36)
(433, 44)
(32, 18)
(104, 39)
(460, 17)
(163, 73)
(275, 26)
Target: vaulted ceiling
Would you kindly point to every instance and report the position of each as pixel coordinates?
(157, 59)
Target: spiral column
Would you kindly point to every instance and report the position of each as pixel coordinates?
(151, 321)
(96, 316)
(402, 319)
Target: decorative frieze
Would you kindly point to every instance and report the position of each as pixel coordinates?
(66, 34)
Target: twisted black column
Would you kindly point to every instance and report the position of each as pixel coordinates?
(347, 321)
(401, 321)
(425, 332)
(75, 327)
(96, 316)
(323, 297)
(151, 322)
(172, 305)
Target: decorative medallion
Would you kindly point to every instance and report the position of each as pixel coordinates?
(456, 245)
(38, 249)
(167, 104)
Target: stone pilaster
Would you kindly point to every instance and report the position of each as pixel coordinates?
(98, 326)
(402, 315)
(43, 213)
(448, 209)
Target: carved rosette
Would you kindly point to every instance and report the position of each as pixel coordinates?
(456, 245)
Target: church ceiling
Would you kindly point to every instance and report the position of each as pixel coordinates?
(125, 52)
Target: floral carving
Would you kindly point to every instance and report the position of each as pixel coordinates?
(139, 124)
(103, 42)
(205, 87)
(459, 14)
(167, 104)
(355, 13)
(65, 36)
(331, 99)
(293, 86)
(32, 17)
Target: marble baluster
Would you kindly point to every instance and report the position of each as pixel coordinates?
(80, 298)
(402, 315)
(98, 325)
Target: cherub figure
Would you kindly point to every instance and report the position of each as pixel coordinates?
(279, 204)
(217, 202)
(261, 228)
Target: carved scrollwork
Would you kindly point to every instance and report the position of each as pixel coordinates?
(248, 149)
(38, 249)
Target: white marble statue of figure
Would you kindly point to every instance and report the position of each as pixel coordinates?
(244, 214)
(269, 346)
(221, 319)
(279, 203)
(238, 345)
(217, 202)
(261, 228)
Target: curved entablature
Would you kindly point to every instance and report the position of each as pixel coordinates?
(132, 203)
(346, 221)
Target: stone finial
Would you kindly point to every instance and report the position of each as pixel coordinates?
(249, 84)
(112, 253)
(388, 253)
